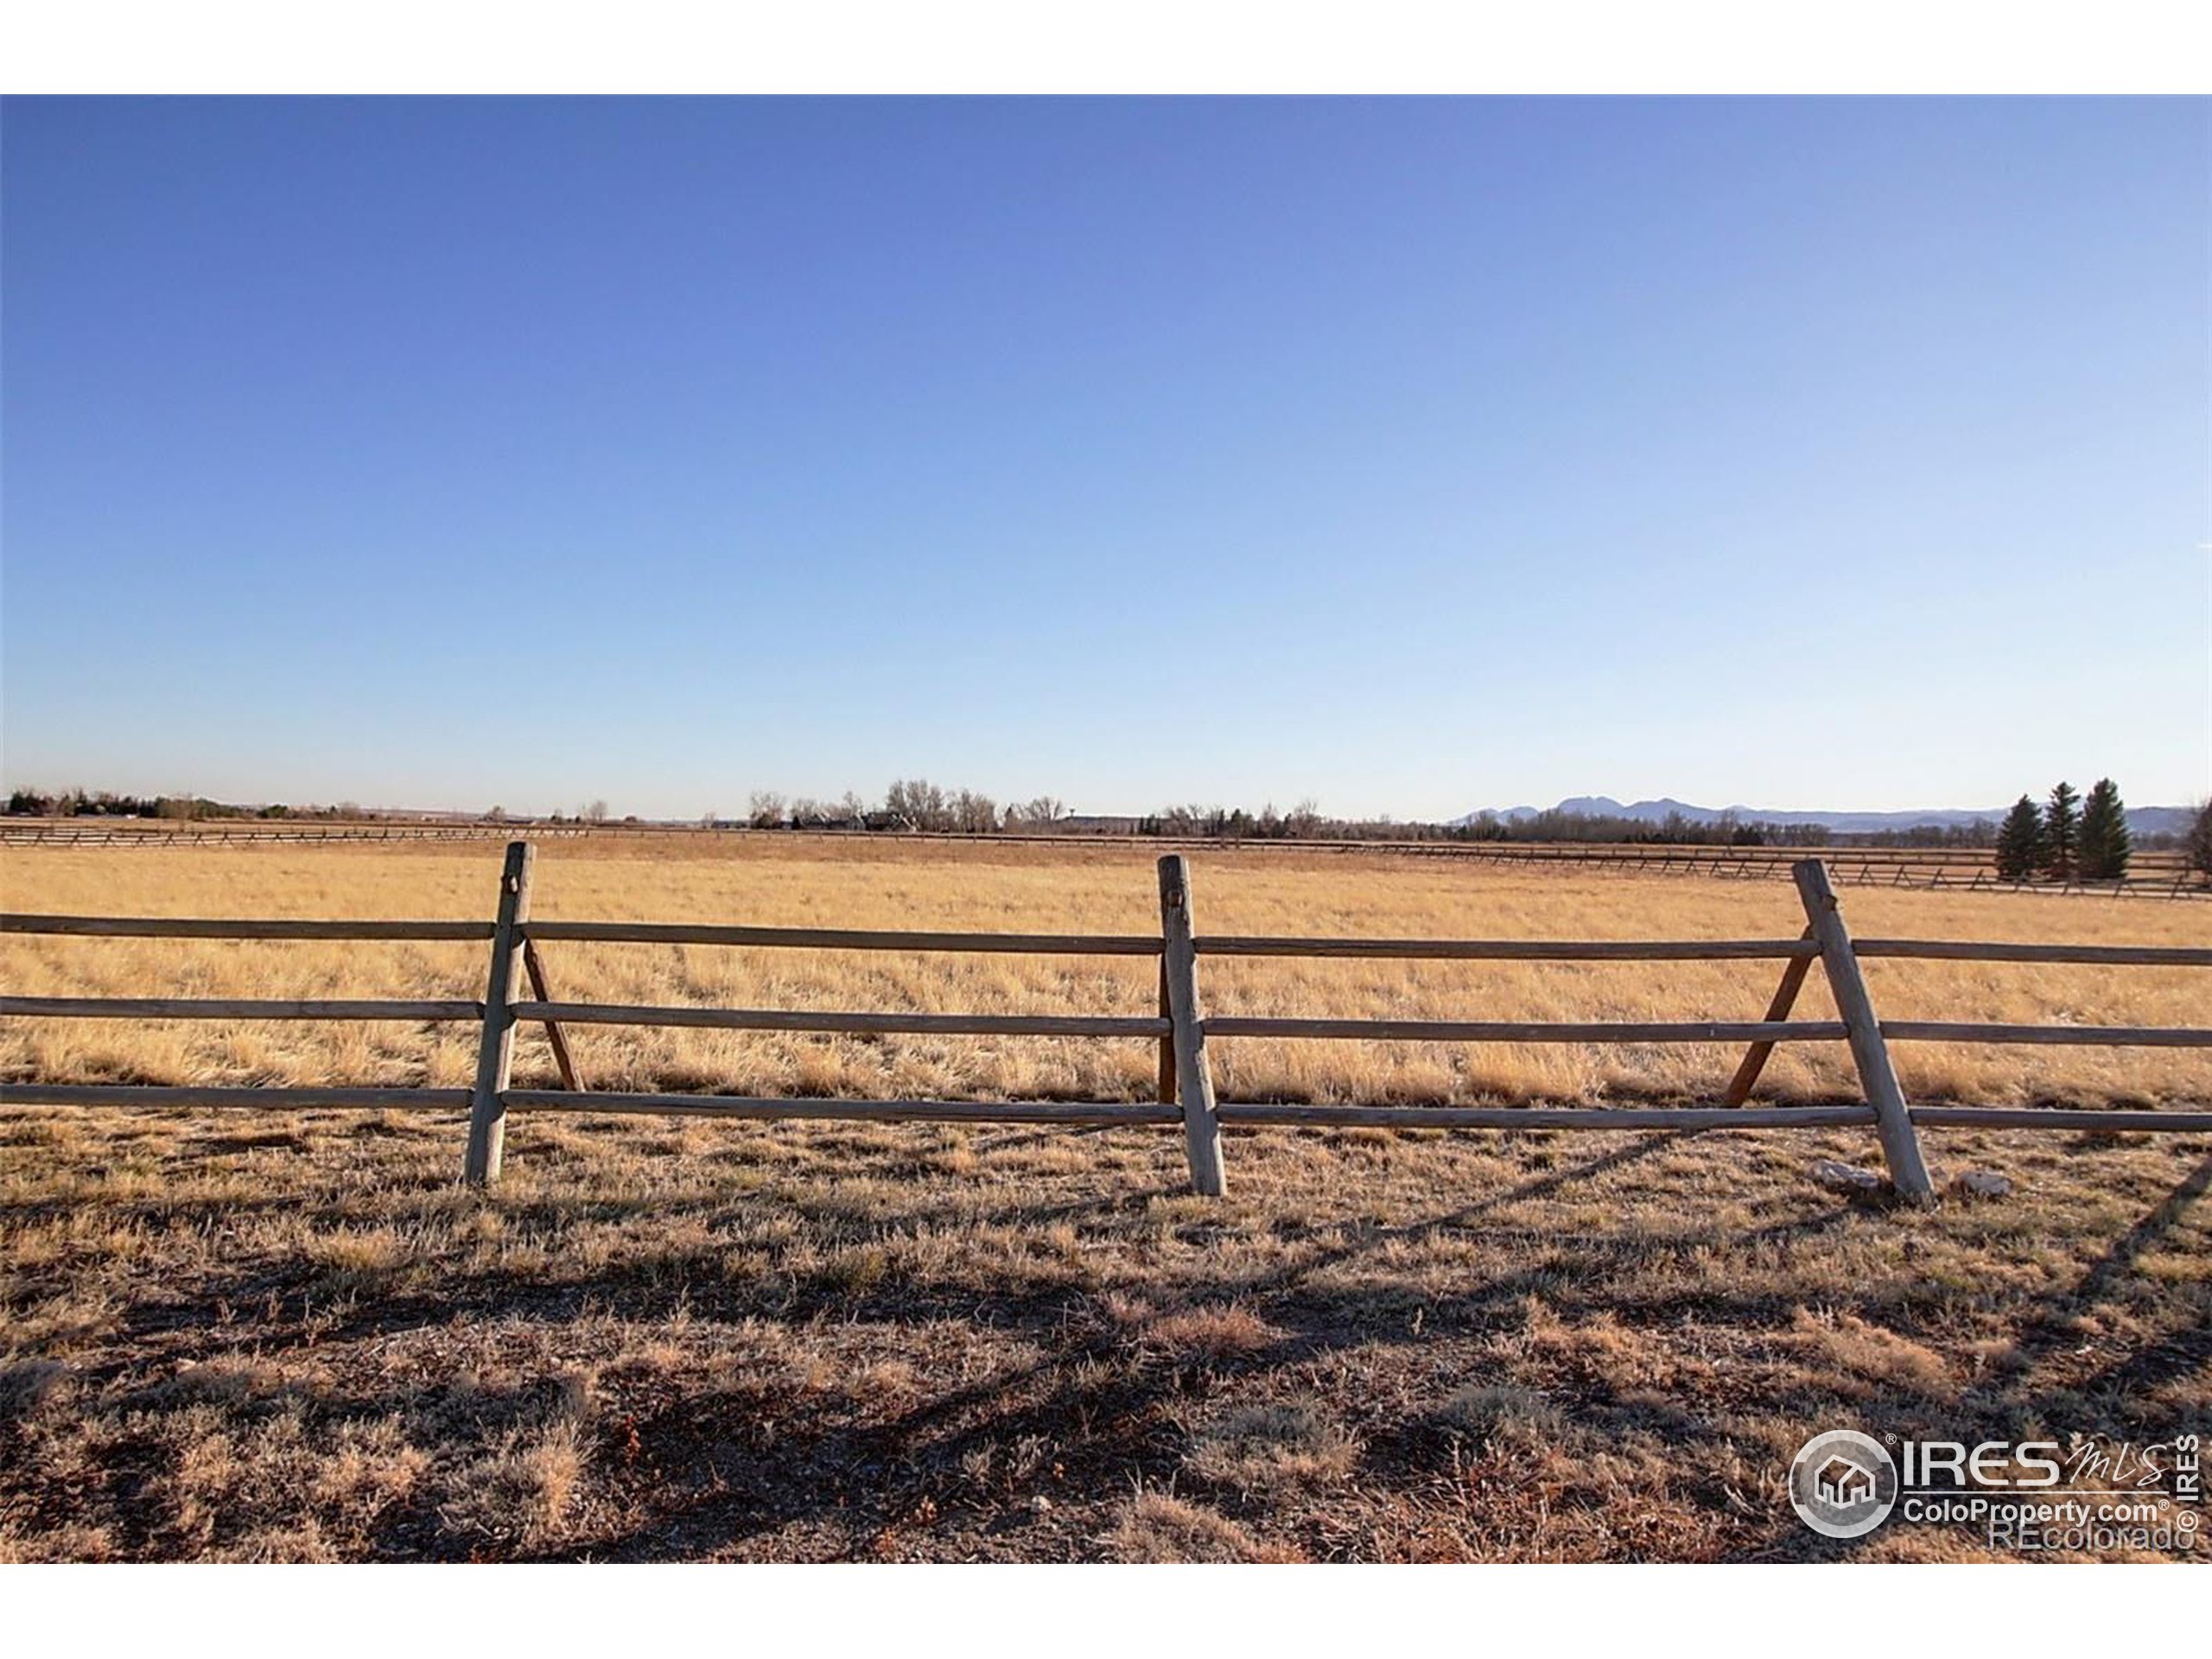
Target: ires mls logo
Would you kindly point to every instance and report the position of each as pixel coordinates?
(2084, 1495)
(1843, 1484)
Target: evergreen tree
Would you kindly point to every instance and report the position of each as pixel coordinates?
(2061, 831)
(2019, 842)
(2200, 839)
(2105, 840)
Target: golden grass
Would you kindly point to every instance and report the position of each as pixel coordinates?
(810, 881)
(297, 1337)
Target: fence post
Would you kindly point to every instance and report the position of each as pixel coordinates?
(487, 1111)
(1869, 1052)
(1167, 1043)
(1193, 1081)
(1755, 1057)
(564, 1062)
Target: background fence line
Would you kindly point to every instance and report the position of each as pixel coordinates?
(92, 832)
(2158, 873)
(516, 993)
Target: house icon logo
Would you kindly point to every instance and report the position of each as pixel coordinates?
(1843, 1484)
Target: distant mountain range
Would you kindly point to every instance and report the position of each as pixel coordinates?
(2143, 820)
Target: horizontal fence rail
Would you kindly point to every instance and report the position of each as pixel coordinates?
(834, 939)
(1497, 1031)
(518, 991)
(179, 927)
(2114, 956)
(2057, 1117)
(186, 1007)
(1940, 1031)
(866, 1111)
(1549, 1117)
(968, 1025)
(1512, 950)
(257, 1098)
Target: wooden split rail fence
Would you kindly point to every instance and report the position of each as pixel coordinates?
(517, 992)
(2156, 875)
(96, 832)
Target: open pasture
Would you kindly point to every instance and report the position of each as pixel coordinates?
(827, 882)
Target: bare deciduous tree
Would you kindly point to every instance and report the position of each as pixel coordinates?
(916, 803)
(974, 814)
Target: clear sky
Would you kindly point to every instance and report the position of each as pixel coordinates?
(1412, 455)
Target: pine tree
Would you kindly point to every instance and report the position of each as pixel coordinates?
(2105, 840)
(2019, 842)
(2200, 839)
(2061, 831)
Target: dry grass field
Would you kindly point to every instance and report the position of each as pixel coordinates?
(803, 881)
(296, 1336)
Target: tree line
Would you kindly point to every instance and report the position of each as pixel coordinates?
(2065, 837)
(918, 804)
(2068, 839)
(911, 803)
(1675, 829)
(106, 804)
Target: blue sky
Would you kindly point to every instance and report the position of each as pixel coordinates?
(1412, 455)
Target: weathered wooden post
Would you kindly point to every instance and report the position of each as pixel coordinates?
(1869, 1052)
(564, 1061)
(495, 1053)
(1193, 1081)
(1756, 1056)
(1167, 1043)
